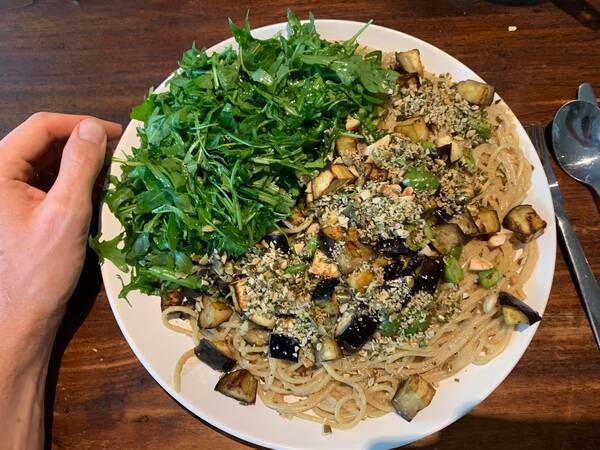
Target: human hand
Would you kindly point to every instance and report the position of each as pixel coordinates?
(43, 235)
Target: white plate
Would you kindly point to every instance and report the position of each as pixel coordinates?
(158, 348)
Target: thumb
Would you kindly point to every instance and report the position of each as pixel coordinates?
(81, 162)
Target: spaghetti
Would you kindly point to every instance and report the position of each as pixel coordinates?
(342, 392)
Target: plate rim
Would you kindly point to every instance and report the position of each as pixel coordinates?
(439, 425)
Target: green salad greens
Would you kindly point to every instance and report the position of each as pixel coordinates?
(225, 152)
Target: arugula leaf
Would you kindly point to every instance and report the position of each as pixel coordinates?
(222, 152)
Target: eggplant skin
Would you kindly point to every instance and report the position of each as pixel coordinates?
(395, 246)
(476, 92)
(525, 222)
(279, 242)
(446, 236)
(283, 347)
(324, 289)
(516, 311)
(427, 273)
(329, 349)
(412, 396)
(353, 331)
(207, 352)
(240, 385)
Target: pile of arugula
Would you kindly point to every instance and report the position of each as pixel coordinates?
(224, 151)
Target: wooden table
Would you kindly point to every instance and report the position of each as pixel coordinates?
(100, 57)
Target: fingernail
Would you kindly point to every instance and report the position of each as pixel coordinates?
(91, 130)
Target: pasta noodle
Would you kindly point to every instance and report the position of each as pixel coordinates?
(342, 392)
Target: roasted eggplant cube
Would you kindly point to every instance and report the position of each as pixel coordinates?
(238, 295)
(346, 147)
(262, 320)
(374, 173)
(516, 311)
(476, 92)
(360, 280)
(214, 314)
(447, 236)
(326, 243)
(466, 223)
(427, 274)
(283, 347)
(352, 255)
(324, 289)
(322, 267)
(328, 349)
(410, 80)
(257, 337)
(353, 330)
(410, 61)
(170, 297)
(394, 246)
(395, 270)
(524, 222)
(414, 128)
(279, 242)
(240, 385)
(215, 355)
(414, 394)
(487, 221)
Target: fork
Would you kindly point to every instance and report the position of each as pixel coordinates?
(586, 282)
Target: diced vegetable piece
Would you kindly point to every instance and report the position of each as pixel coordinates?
(297, 217)
(215, 354)
(335, 233)
(524, 222)
(453, 273)
(342, 172)
(489, 278)
(414, 394)
(456, 252)
(476, 92)
(283, 347)
(394, 271)
(352, 255)
(324, 289)
(320, 266)
(414, 128)
(395, 246)
(410, 80)
(172, 297)
(482, 128)
(421, 180)
(296, 268)
(352, 124)
(353, 330)
(238, 294)
(410, 61)
(398, 326)
(321, 183)
(487, 221)
(326, 243)
(466, 223)
(374, 173)
(447, 146)
(279, 242)
(257, 336)
(516, 311)
(330, 179)
(447, 236)
(213, 314)
(240, 385)
(360, 280)
(427, 274)
(262, 320)
(346, 147)
(328, 350)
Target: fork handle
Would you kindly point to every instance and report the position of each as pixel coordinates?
(586, 281)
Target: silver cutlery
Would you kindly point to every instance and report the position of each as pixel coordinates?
(576, 138)
(588, 286)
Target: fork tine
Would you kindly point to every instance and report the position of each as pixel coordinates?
(533, 132)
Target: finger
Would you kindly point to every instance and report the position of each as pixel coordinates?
(31, 139)
(81, 162)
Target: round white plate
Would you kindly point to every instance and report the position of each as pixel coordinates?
(158, 348)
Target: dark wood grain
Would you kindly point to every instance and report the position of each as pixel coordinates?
(99, 57)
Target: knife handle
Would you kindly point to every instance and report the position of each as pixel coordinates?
(586, 281)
